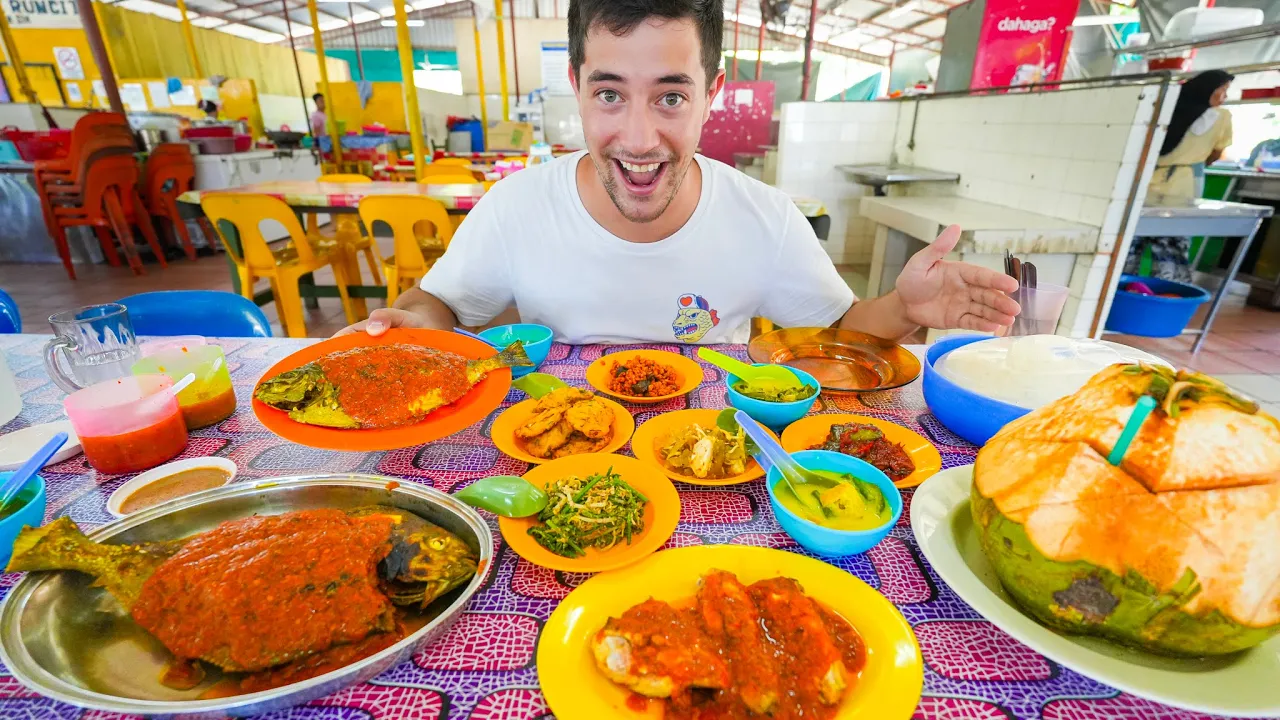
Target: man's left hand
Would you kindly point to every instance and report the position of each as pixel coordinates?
(942, 294)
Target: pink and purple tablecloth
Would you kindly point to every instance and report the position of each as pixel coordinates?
(347, 196)
(484, 669)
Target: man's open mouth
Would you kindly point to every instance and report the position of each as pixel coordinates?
(641, 178)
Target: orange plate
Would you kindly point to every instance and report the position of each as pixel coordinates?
(841, 360)
(813, 430)
(644, 445)
(503, 430)
(660, 514)
(471, 408)
(690, 372)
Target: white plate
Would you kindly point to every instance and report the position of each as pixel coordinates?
(123, 492)
(1243, 685)
(18, 446)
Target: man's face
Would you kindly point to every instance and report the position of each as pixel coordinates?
(643, 98)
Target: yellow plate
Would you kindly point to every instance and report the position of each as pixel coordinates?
(503, 431)
(813, 430)
(660, 514)
(888, 688)
(644, 445)
(600, 371)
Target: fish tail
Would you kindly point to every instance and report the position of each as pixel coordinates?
(60, 545)
(514, 356)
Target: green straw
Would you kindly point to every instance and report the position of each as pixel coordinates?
(1140, 413)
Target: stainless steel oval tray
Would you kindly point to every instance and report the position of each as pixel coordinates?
(73, 642)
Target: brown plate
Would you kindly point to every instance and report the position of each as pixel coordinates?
(841, 360)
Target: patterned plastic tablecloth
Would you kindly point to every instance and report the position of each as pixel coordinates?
(484, 668)
(308, 194)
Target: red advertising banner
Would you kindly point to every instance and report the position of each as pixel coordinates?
(1022, 42)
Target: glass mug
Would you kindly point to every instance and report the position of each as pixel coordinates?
(96, 343)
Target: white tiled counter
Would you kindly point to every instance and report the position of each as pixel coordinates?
(1064, 252)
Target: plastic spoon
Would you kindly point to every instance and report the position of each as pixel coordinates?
(790, 470)
(770, 375)
(19, 478)
(505, 495)
(474, 336)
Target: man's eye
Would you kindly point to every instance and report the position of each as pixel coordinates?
(671, 100)
(609, 96)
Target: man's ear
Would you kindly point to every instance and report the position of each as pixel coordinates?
(716, 87)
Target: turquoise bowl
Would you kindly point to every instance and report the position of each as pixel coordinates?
(30, 513)
(536, 339)
(772, 415)
(825, 541)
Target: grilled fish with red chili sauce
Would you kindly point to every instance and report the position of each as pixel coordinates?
(380, 386)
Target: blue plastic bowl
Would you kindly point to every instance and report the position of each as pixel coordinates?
(536, 339)
(974, 417)
(31, 513)
(825, 541)
(1151, 316)
(772, 415)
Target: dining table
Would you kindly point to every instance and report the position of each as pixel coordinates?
(484, 668)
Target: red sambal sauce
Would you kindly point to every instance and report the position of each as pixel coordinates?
(209, 410)
(137, 450)
(377, 385)
(266, 590)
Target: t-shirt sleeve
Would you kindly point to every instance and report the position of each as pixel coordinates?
(804, 288)
(473, 277)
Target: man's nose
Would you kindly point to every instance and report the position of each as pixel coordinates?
(640, 132)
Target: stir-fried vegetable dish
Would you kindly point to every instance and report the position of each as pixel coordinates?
(867, 442)
(773, 393)
(598, 512)
(706, 453)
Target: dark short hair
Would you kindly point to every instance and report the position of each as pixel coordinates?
(622, 16)
(318, 97)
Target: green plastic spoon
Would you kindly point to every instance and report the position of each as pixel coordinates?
(773, 376)
(505, 495)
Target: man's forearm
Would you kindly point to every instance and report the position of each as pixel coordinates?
(884, 317)
(431, 312)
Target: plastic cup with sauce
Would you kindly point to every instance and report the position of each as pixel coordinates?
(208, 400)
(128, 424)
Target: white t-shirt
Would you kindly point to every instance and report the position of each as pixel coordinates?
(747, 251)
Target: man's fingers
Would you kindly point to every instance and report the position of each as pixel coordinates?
(994, 299)
(945, 243)
(984, 277)
(351, 329)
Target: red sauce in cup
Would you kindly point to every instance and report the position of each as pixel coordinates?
(137, 450)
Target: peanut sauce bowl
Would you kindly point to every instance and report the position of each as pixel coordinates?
(72, 642)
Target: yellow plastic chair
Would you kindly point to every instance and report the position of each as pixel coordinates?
(348, 236)
(455, 162)
(415, 250)
(448, 174)
(255, 258)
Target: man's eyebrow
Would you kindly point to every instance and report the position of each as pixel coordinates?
(599, 76)
(678, 79)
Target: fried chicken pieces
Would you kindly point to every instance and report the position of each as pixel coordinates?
(740, 651)
(567, 421)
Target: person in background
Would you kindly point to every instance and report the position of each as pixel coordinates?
(1198, 134)
(210, 110)
(319, 128)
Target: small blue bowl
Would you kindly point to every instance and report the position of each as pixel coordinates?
(825, 541)
(30, 513)
(974, 417)
(536, 339)
(772, 415)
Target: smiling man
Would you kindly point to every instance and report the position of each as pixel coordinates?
(640, 239)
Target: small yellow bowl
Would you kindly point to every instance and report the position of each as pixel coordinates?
(503, 431)
(601, 371)
(808, 432)
(644, 445)
(660, 514)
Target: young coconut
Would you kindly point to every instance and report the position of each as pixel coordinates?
(1176, 551)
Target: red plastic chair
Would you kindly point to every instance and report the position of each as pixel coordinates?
(170, 171)
(110, 203)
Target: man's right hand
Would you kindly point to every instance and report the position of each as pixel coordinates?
(382, 319)
(414, 309)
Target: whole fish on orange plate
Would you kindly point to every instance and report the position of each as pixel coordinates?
(380, 386)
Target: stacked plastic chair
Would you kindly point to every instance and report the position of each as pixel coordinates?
(170, 171)
(96, 186)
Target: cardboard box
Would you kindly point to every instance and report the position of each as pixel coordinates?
(515, 136)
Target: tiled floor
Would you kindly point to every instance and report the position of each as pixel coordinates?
(1243, 350)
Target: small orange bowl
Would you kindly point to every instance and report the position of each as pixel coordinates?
(644, 445)
(808, 432)
(503, 431)
(661, 514)
(600, 372)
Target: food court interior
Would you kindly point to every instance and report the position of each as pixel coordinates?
(188, 147)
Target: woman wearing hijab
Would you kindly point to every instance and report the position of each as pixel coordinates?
(1198, 134)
